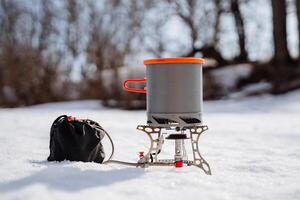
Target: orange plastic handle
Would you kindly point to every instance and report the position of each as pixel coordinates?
(134, 89)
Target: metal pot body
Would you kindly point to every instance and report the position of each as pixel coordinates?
(174, 94)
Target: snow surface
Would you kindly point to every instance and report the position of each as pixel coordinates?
(252, 146)
(228, 77)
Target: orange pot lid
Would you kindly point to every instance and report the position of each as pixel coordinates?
(174, 60)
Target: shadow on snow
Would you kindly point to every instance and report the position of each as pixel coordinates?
(72, 178)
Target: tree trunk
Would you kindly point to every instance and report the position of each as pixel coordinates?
(298, 17)
(240, 27)
(280, 71)
(217, 23)
(281, 52)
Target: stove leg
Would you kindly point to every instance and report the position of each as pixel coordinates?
(156, 139)
(195, 133)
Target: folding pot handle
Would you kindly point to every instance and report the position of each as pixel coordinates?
(134, 89)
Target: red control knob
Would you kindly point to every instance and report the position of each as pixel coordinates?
(178, 164)
(141, 153)
(70, 119)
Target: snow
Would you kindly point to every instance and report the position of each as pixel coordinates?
(251, 89)
(228, 77)
(252, 146)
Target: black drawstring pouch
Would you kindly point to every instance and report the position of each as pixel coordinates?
(76, 140)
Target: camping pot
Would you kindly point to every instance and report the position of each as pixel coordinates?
(174, 91)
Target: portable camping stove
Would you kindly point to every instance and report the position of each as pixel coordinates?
(174, 103)
(157, 140)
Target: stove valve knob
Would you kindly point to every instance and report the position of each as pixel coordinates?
(178, 164)
(141, 153)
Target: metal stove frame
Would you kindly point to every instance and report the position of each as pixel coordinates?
(157, 140)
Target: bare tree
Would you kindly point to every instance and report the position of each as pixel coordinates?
(282, 56)
(47, 27)
(30, 70)
(240, 29)
(219, 12)
(8, 40)
(298, 17)
(156, 46)
(102, 52)
(113, 30)
(188, 11)
(281, 52)
(73, 27)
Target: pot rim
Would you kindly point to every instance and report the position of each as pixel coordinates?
(174, 60)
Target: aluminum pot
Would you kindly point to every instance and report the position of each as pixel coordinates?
(174, 91)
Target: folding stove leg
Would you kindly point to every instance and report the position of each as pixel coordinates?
(156, 139)
(198, 160)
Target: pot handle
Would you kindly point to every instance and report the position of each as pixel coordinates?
(134, 89)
